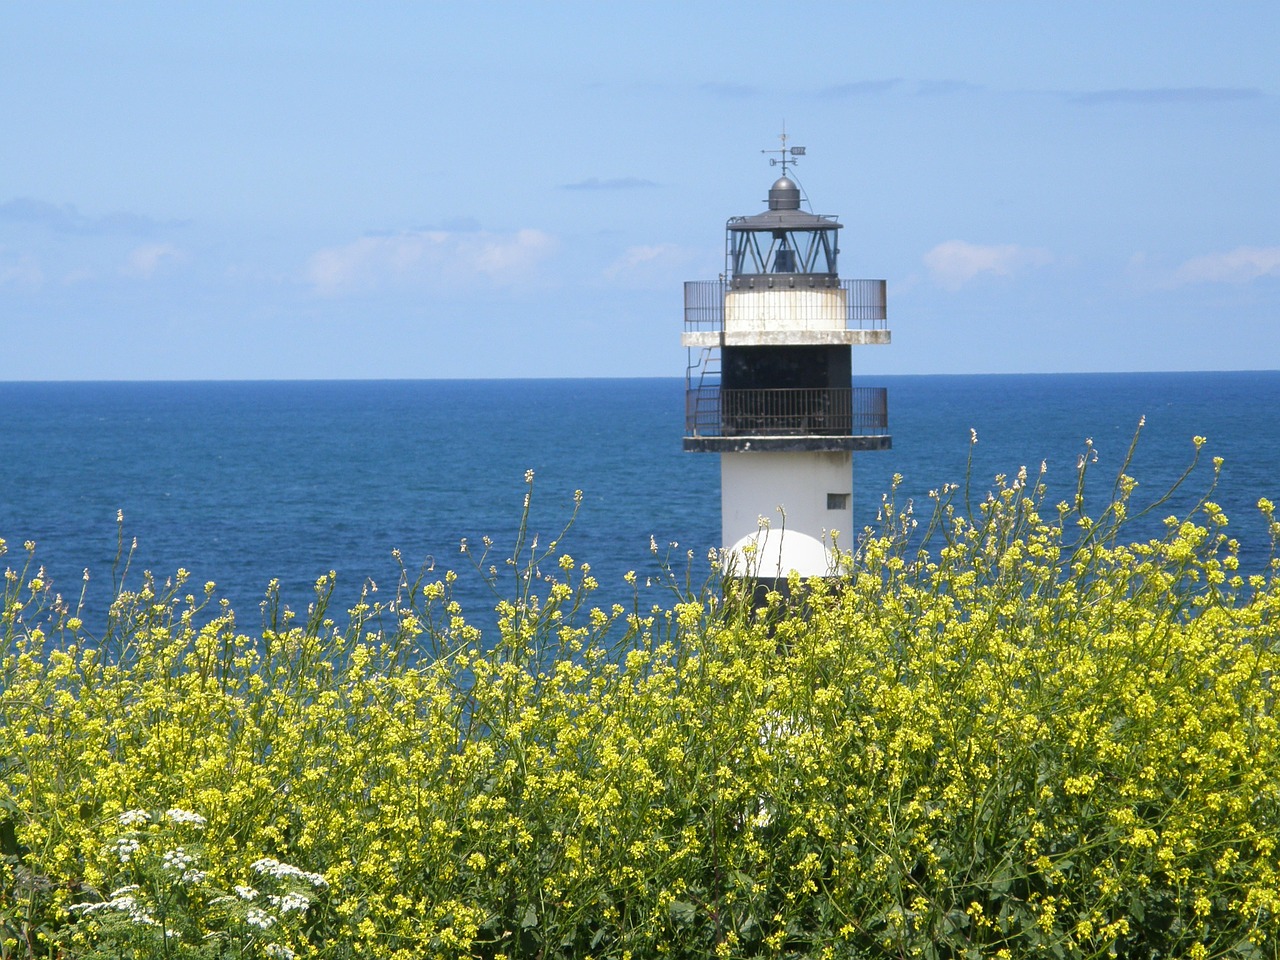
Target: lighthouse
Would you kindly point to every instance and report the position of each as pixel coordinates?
(769, 385)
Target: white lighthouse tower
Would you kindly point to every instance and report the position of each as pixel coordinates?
(769, 386)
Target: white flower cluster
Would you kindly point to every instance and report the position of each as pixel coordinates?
(125, 848)
(260, 919)
(133, 818)
(122, 900)
(280, 904)
(180, 862)
(177, 860)
(290, 901)
(178, 815)
(284, 871)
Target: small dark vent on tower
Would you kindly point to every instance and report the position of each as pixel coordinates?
(784, 195)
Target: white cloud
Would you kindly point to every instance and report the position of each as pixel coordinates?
(635, 256)
(955, 263)
(1241, 265)
(426, 256)
(79, 275)
(24, 270)
(658, 264)
(145, 260)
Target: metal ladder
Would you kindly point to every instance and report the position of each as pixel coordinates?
(702, 404)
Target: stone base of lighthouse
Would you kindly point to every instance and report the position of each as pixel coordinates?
(806, 500)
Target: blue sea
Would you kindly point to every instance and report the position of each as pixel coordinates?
(245, 482)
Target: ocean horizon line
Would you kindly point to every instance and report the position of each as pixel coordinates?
(555, 379)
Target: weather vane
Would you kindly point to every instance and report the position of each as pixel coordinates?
(788, 154)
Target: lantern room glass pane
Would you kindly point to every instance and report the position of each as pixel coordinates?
(783, 251)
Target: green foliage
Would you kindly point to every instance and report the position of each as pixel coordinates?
(997, 735)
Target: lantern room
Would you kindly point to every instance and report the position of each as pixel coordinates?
(784, 240)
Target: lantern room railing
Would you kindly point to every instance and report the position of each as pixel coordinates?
(864, 306)
(823, 411)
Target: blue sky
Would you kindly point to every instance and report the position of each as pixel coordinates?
(320, 190)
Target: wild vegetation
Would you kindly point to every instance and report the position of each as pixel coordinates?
(1007, 731)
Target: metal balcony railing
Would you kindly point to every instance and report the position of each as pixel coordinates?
(711, 411)
(864, 307)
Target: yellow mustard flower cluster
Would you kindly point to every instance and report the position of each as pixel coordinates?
(997, 736)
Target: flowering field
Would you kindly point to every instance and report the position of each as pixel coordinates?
(1006, 732)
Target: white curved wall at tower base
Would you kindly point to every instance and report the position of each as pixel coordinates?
(791, 491)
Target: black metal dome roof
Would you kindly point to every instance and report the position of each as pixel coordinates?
(784, 195)
(784, 212)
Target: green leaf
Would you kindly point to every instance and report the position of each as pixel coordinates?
(682, 912)
(1137, 908)
(1247, 950)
